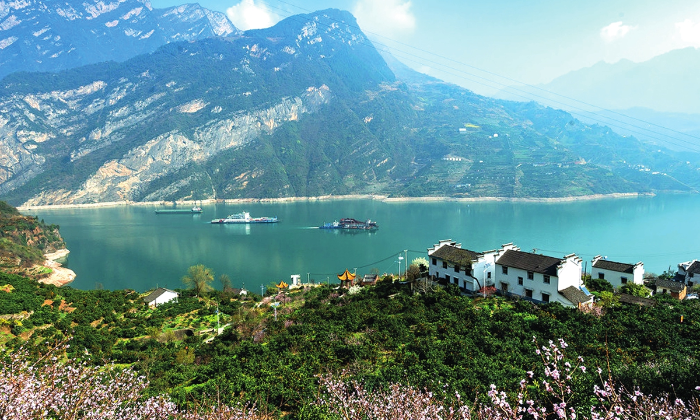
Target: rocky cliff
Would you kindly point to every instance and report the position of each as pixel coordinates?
(305, 108)
(40, 35)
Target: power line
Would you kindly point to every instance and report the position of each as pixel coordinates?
(524, 94)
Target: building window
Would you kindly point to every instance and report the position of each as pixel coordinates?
(504, 286)
(456, 268)
(434, 261)
(447, 278)
(488, 275)
(546, 279)
(528, 293)
(623, 280)
(545, 297)
(601, 276)
(520, 281)
(530, 275)
(444, 264)
(505, 269)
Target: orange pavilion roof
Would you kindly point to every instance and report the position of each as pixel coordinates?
(346, 276)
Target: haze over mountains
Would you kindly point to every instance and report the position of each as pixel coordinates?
(305, 108)
(662, 91)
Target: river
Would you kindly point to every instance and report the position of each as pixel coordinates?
(132, 247)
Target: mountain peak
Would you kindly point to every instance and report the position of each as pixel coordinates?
(43, 35)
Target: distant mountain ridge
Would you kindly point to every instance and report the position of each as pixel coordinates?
(41, 35)
(305, 108)
(665, 83)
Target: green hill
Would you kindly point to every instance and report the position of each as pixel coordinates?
(305, 108)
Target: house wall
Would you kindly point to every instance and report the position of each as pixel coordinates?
(164, 298)
(569, 274)
(469, 279)
(639, 273)
(537, 284)
(615, 277)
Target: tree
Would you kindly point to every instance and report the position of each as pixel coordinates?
(199, 278)
(598, 285)
(225, 282)
(635, 290)
(413, 272)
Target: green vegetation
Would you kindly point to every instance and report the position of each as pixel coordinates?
(379, 335)
(374, 135)
(199, 278)
(24, 240)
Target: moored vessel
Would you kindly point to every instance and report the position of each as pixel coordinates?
(351, 224)
(244, 217)
(193, 210)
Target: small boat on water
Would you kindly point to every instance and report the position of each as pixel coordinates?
(350, 224)
(193, 210)
(244, 217)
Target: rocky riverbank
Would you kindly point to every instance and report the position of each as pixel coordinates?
(59, 275)
(342, 197)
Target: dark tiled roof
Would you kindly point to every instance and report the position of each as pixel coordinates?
(156, 294)
(694, 267)
(625, 298)
(674, 286)
(614, 266)
(530, 262)
(456, 255)
(575, 295)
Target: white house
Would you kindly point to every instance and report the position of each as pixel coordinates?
(617, 273)
(689, 273)
(159, 296)
(469, 270)
(541, 278)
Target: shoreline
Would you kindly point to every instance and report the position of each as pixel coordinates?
(60, 276)
(377, 197)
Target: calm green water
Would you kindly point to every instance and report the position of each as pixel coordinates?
(132, 247)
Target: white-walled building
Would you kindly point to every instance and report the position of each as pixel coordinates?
(617, 273)
(159, 296)
(469, 270)
(541, 278)
(689, 273)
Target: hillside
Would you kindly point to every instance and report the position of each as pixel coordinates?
(23, 242)
(40, 35)
(305, 108)
(380, 336)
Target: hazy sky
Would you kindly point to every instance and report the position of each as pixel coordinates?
(526, 41)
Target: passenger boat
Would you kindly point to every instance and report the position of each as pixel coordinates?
(244, 217)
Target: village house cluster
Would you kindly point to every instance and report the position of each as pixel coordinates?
(541, 278)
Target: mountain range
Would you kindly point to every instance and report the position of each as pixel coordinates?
(37, 35)
(654, 100)
(305, 108)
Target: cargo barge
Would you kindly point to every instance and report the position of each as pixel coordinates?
(193, 210)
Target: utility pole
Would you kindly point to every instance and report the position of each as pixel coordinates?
(217, 318)
(405, 252)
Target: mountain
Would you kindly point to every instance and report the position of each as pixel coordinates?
(305, 108)
(42, 35)
(665, 83)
